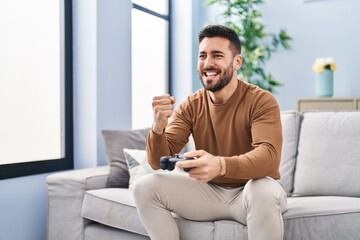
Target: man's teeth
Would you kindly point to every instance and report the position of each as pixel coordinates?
(211, 74)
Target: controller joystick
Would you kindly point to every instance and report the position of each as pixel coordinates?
(169, 162)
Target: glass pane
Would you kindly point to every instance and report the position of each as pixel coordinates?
(30, 81)
(149, 65)
(159, 6)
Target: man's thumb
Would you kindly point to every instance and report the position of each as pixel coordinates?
(173, 100)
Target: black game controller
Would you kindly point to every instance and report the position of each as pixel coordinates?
(169, 162)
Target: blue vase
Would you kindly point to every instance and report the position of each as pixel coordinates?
(325, 84)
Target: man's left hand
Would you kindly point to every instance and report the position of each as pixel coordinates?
(204, 168)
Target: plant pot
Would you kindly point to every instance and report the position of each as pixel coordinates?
(325, 84)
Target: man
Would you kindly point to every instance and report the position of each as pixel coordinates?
(237, 133)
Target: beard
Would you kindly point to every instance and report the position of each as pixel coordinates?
(225, 78)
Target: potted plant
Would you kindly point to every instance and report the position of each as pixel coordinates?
(244, 17)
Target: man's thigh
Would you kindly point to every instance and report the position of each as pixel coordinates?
(189, 198)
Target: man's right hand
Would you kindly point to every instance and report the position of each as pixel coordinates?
(162, 110)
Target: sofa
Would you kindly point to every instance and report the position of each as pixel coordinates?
(320, 171)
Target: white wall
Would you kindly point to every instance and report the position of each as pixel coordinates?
(181, 51)
(102, 74)
(23, 208)
(319, 29)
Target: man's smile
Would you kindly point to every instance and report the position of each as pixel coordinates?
(210, 74)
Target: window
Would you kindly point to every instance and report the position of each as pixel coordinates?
(150, 57)
(35, 87)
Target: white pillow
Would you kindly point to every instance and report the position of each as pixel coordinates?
(137, 164)
(328, 161)
(290, 128)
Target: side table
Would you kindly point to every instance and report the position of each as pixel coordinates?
(328, 104)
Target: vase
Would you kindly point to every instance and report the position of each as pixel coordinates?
(325, 83)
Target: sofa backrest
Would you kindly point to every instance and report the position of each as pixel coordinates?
(328, 160)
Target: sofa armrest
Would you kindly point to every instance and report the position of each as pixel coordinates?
(65, 197)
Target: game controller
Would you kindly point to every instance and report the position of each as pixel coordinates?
(169, 162)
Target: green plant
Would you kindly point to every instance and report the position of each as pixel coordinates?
(244, 17)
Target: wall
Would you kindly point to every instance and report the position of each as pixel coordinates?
(23, 208)
(181, 51)
(319, 28)
(102, 73)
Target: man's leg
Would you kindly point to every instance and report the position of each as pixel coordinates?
(157, 195)
(261, 205)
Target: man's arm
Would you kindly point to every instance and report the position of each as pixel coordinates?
(167, 139)
(266, 132)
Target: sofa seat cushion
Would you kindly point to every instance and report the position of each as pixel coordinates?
(322, 218)
(299, 207)
(115, 207)
(98, 231)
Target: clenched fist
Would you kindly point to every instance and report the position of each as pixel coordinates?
(162, 110)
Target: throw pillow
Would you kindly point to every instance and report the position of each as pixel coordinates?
(290, 121)
(137, 164)
(115, 141)
(328, 155)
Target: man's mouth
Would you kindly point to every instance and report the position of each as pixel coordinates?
(211, 74)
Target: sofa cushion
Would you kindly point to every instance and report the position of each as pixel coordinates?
(330, 218)
(290, 121)
(138, 165)
(316, 217)
(97, 231)
(328, 161)
(115, 141)
(115, 207)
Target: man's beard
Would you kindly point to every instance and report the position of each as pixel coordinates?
(224, 80)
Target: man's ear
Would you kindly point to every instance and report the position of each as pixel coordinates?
(237, 62)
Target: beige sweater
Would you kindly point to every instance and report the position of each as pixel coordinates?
(246, 131)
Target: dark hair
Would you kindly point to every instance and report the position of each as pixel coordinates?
(222, 31)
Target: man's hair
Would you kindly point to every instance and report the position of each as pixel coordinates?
(222, 31)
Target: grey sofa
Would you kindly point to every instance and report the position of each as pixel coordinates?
(320, 170)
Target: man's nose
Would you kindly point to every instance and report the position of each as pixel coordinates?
(208, 63)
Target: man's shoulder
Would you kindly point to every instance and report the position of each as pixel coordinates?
(197, 97)
(253, 91)
(193, 102)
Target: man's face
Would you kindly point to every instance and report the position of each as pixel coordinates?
(216, 65)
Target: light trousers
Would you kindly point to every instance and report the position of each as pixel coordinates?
(259, 204)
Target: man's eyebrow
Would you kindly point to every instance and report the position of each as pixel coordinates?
(217, 52)
(212, 52)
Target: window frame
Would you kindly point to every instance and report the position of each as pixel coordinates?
(45, 166)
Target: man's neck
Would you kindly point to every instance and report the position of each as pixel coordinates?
(221, 97)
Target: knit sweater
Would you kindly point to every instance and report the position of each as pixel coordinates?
(246, 131)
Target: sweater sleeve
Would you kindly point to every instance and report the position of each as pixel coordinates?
(173, 139)
(266, 133)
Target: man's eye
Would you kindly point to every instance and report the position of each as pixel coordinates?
(202, 56)
(218, 55)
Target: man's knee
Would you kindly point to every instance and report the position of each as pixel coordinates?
(145, 187)
(262, 191)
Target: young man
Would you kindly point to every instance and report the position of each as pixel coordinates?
(237, 133)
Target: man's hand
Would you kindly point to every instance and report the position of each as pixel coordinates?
(205, 167)
(162, 110)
